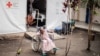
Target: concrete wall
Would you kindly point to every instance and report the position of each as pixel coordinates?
(83, 15)
(97, 17)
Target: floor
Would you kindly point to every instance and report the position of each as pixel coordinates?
(78, 40)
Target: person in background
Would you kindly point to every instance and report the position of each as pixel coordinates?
(29, 20)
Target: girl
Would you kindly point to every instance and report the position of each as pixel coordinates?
(47, 43)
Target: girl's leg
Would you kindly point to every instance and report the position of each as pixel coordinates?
(44, 43)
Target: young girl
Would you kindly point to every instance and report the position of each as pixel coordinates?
(47, 43)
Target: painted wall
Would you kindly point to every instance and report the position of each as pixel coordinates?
(83, 15)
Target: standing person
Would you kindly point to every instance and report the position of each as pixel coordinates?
(30, 18)
(47, 43)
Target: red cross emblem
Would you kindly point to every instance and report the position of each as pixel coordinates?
(9, 4)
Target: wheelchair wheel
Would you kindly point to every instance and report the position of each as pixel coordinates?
(35, 45)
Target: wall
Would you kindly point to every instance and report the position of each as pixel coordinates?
(83, 14)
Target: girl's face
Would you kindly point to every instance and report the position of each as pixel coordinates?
(41, 31)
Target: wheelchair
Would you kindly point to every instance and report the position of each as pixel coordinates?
(37, 45)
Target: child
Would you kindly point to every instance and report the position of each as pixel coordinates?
(47, 43)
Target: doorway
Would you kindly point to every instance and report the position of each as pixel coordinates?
(38, 12)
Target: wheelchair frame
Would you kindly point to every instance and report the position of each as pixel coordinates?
(36, 43)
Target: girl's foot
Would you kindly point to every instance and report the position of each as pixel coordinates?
(55, 49)
(44, 54)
